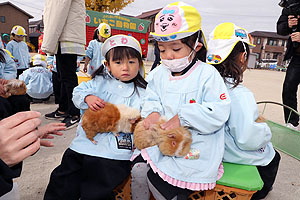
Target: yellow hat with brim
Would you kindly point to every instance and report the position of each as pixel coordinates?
(104, 30)
(18, 30)
(8, 52)
(176, 21)
(39, 60)
(223, 39)
(122, 41)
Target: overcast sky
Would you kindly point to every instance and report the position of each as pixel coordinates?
(254, 15)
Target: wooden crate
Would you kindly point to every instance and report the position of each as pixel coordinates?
(220, 192)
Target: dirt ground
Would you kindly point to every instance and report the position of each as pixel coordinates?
(266, 85)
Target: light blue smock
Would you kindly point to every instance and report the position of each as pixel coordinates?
(201, 100)
(8, 69)
(93, 51)
(20, 52)
(1, 44)
(113, 91)
(246, 141)
(51, 60)
(38, 82)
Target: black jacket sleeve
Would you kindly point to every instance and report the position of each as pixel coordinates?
(282, 23)
(6, 176)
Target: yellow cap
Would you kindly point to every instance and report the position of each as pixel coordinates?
(18, 30)
(39, 59)
(104, 30)
(176, 21)
(8, 52)
(223, 39)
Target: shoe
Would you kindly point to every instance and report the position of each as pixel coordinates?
(289, 125)
(55, 115)
(71, 121)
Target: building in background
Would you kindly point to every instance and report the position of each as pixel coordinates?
(269, 47)
(11, 15)
(36, 29)
(150, 15)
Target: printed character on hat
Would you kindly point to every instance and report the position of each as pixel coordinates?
(189, 93)
(247, 136)
(19, 49)
(105, 163)
(38, 80)
(93, 51)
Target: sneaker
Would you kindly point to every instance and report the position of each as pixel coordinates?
(289, 125)
(71, 121)
(55, 115)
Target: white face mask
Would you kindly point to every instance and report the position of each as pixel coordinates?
(177, 65)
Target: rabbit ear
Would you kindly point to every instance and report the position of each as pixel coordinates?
(171, 135)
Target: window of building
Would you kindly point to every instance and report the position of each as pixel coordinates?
(283, 43)
(272, 42)
(258, 41)
(2, 19)
(275, 55)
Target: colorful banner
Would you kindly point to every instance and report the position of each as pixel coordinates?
(118, 22)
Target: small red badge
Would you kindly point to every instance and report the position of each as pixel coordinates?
(223, 96)
(192, 101)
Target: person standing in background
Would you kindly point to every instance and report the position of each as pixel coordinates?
(287, 24)
(65, 36)
(93, 52)
(19, 49)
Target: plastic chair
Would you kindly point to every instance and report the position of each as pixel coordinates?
(284, 138)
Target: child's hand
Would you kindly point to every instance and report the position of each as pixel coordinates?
(94, 102)
(174, 122)
(51, 128)
(151, 119)
(85, 68)
(260, 119)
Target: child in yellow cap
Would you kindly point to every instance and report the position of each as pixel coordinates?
(19, 49)
(93, 51)
(38, 80)
(190, 93)
(247, 136)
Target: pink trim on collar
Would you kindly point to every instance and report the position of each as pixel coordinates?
(184, 75)
(182, 184)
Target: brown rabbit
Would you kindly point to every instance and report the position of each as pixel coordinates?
(111, 118)
(174, 142)
(14, 87)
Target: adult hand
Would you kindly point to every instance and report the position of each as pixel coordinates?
(295, 37)
(94, 102)
(3, 81)
(47, 131)
(2, 90)
(174, 122)
(18, 137)
(292, 20)
(151, 119)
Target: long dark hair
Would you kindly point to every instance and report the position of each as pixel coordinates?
(95, 36)
(119, 53)
(230, 67)
(2, 58)
(190, 42)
